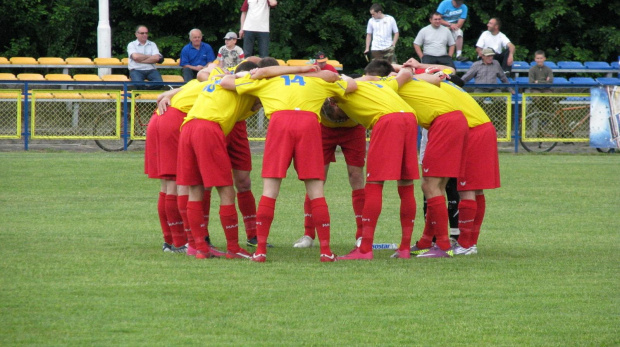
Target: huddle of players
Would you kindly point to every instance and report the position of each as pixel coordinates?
(294, 98)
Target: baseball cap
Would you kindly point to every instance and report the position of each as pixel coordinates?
(320, 57)
(488, 51)
(230, 35)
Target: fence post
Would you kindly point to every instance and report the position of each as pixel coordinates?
(125, 117)
(26, 116)
(516, 120)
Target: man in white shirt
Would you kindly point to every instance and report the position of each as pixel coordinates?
(143, 55)
(496, 40)
(435, 38)
(379, 30)
(255, 26)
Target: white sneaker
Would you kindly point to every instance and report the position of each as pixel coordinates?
(304, 242)
(460, 250)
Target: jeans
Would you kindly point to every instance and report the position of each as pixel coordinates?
(149, 75)
(443, 60)
(188, 74)
(263, 43)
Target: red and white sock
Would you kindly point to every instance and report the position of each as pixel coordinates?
(195, 216)
(320, 217)
(182, 202)
(175, 222)
(358, 198)
(480, 211)
(467, 214)
(437, 220)
(230, 223)
(372, 210)
(206, 208)
(308, 222)
(264, 218)
(247, 207)
(407, 215)
(163, 220)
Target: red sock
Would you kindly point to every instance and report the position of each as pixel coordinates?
(426, 241)
(358, 197)
(320, 217)
(407, 215)
(482, 205)
(175, 221)
(372, 210)
(467, 213)
(182, 202)
(264, 217)
(230, 223)
(247, 207)
(196, 218)
(437, 220)
(163, 220)
(206, 208)
(308, 223)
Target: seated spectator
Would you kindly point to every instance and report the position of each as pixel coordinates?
(435, 38)
(493, 38)
(143, 55)
(486, 71)
(320, 59)
(230, 55)
(453, 16)
(540, 73)
(195, 56)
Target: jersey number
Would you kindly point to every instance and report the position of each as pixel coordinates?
(211, 86)
(296, 79)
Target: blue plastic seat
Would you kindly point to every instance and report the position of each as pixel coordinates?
(570, 65)
(582, 80)
(463, 64)
(614, 65)
(522, 80)
(560, 80)
(609, 80)
(520, 65)
(547, 63)
(599, 65)
(578, 99)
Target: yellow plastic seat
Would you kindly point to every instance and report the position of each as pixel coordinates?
(58, 77)
(5, 76)
(281, 62)
(145, 95)
(4, 61)
(87, 78)
(125, 61)
(96, 96)
(115, 78)
(79, 61)
(172, 78)
(107, 61)
(169, 62)
(66, 95)
(298, 62)
(24, 61)
(52, 61)
(30, 77)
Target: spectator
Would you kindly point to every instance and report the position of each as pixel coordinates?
(486, 71)
(255, 26)
(379, 30)
(230, 55)
(493, 38)
(143, 55)
(540, 73)
(320, 59)
(434, 38)
(453, 15)
(195, 56)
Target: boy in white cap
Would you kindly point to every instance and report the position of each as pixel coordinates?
(230, 55)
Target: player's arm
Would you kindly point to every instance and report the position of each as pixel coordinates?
(164, 99)
(204, 73)
(325, 75)
(351, 84)
(404, 75)
(432, 79)
(273, 71)
(417, 65)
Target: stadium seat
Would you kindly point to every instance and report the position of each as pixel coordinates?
(522, 80)
(172, 78)
(58, 77)
(598, 65)
(30, 77)
(87, 78)
(281, 62)
(79, 61)
(4, 61)
(298, 62)
(335, 63)
(107, 61)
(51, 61)
(520, 65)
(614, 65)
(125, 61)
(462, 64)
(115, 78)
(547, 63)
(169, 62)
(68, 94)
(560, 80)
(609, 80)
(570, 65)
(582, 80)
(24, 61)
(7, 77)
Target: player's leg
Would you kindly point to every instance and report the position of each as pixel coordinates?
(182, 198)
(407, 217)
(480, 211)
(230, 223)
(356, 180)
(467, 214)
(163, 219)
(175, 222)
(246, 201)
(453, 207)
(264, 215)
(436, 213)
(320, 217)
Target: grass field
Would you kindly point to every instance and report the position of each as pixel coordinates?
(82, 264)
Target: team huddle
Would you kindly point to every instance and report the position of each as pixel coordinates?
(311, 112)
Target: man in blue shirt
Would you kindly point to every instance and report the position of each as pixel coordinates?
(195, 55)
(453, 15)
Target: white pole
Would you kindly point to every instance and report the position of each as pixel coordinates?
(104, 35)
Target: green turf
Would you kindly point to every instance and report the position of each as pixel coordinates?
(81, 264)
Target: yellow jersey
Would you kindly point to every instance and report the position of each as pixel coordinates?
(185, 98)
(290, 92)
(474, 114)
(372, 100)
(428, 100)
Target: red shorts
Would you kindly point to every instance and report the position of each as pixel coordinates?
(352, 141)
(151, 168)
(169, 130)
(446, 148)
(293, 135)
(482, 163)
(203, 159)
(393, 152)
(239, 147)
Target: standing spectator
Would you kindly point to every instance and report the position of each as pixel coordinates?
(230, 55)
(453, 15)
(195, 56)
(320, 59)
(143, 55)
(255, 26)
(486, 71)
(493, 38)
(540, 73)
(435, 38)
(379, 30)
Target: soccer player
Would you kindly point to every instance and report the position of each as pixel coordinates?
(351, 137)
(392, 154)
(292, 103)
(444, 156)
